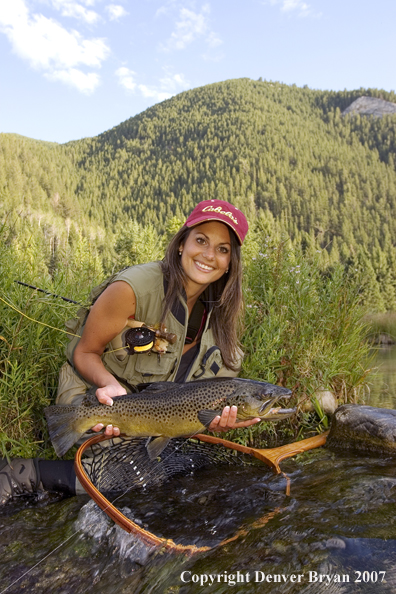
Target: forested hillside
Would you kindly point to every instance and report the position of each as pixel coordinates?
(284, 154)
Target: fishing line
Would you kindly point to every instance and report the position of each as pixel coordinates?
(48, 326)
(37, 322)
(38, 563)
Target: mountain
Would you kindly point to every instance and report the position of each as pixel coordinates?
(284, 154)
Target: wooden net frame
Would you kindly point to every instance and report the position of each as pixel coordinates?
(271, 457)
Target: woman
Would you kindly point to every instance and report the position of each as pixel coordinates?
(195, 292)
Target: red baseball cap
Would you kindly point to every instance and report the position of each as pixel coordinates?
(219, 210)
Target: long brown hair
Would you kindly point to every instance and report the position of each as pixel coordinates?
(227, 295)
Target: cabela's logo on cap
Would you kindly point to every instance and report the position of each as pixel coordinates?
(220, 211)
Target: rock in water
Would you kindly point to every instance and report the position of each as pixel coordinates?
(363, 429)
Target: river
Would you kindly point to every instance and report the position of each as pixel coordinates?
(336, 532)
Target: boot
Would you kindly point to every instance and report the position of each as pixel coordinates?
(19, 477)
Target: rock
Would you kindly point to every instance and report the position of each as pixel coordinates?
(326, 399)
(364, 429)
(384, 338)
(370, 106)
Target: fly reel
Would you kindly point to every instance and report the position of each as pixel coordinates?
(139, 340)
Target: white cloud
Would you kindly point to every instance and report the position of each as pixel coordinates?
(68, 8)
(173, 83)
(213, 40)
(168, 85)
(84, 82)
(46, 45)
(116, 11)
(297, 6)
(153, 93)
(126, 78)
(188, 28)
(166, 8)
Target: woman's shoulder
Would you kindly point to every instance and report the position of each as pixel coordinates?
(147, 276)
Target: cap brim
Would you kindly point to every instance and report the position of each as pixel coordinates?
(207, 220)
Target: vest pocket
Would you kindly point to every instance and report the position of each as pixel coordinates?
(151, 364)
(210, 364)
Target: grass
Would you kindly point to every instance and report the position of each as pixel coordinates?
(305, 330)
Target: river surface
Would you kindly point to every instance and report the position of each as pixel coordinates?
(336, 532)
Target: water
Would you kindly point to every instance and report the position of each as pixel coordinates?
(383, 383)
(338, 522)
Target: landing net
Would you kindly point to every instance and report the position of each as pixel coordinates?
(120, 464)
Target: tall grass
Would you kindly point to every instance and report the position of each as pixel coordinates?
(32, 339)
(304, 329)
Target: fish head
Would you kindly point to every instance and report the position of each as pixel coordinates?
(257, 399)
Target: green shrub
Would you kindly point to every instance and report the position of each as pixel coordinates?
(304, 329)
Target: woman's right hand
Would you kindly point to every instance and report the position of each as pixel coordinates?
(105, 395)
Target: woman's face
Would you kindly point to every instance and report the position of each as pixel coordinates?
(206, 255)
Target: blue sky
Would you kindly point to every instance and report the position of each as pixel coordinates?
(75, 68)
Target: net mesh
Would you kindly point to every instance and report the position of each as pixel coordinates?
(121, 464)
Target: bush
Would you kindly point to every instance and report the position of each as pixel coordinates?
(32, 338)
(304, 329)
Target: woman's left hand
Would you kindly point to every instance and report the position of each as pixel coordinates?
(228, 420)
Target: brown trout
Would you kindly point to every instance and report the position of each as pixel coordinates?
(166, 409)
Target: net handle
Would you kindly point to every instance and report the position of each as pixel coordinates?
(271, 456)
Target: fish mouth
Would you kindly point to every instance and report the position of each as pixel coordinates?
(267, 406)
(279, 413)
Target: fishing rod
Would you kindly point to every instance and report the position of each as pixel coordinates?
(47, 292)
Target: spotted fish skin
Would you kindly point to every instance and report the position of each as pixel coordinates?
(164, 409)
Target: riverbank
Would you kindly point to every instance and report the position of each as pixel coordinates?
(382, 327)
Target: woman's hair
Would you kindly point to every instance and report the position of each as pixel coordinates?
(227, 295)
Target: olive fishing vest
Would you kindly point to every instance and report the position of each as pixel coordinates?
(147, 282)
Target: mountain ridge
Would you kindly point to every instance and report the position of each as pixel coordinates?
(283, 153)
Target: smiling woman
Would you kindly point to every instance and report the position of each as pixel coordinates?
(191, 302)
(205, 257)
(195, 293)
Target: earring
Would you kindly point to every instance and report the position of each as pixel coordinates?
(226, 271)
(180, 253)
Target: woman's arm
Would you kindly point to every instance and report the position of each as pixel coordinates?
(107, 318)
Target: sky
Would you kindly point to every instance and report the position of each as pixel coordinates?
(71, 69)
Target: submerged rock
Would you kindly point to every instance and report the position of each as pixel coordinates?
(363, 428)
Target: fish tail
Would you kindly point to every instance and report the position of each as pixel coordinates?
(61, 422)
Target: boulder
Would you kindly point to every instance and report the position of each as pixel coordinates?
(363, 429)
(370, 106)
(326, 399)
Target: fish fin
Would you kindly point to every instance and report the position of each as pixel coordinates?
(157, 386)
(157, 446)
(60, 420)
(207, 416)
